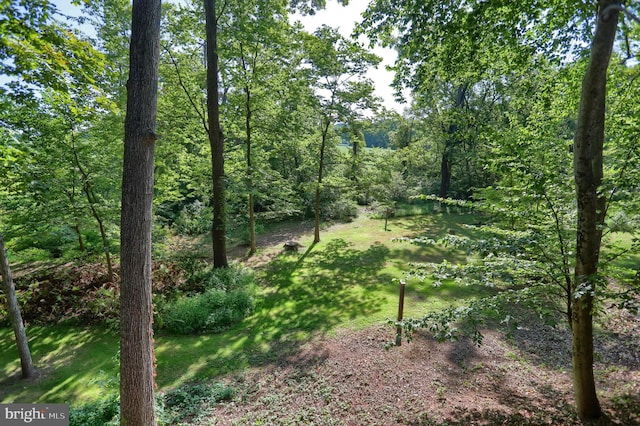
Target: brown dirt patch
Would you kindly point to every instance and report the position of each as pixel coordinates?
(524, 379)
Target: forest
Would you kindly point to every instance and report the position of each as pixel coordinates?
(207, 214)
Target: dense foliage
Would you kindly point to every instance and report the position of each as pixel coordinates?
(497, 121)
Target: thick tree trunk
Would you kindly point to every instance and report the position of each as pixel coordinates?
(588, 153)
(137, 361)
(445, 170)
(445, 162)
(216, 139)
(26, 364)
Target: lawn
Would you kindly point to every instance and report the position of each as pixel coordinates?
(348, 280)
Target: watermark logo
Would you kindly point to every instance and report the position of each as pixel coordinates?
(34, 414)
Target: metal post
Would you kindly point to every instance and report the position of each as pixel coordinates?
(403, 284)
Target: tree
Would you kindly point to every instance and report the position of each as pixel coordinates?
(257, 34)
(38, 51)
(52, 71)
(137, 406)
(588, 172)
(216, 138)
(521, 27)
(337, 69)
(26, 362)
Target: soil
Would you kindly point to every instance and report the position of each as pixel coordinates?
(518, 378)
(521, 379)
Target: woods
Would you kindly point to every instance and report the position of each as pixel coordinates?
(143, 129)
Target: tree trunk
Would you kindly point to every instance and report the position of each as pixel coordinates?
(445, 163)
(103, 233)
(325, 132)
(91, 199)
(26, 364)
(445, 170)
(354, 157)
(76, 228)
(216, 139)
(137, 361)
(252, 219)
(588, 153)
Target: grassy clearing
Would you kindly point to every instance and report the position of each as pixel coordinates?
(74, 364)
(346, 280)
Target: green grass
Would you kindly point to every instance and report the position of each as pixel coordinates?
(73, 364)
(346, 280)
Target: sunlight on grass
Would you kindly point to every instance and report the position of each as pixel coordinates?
(70, 363)
(349, 280)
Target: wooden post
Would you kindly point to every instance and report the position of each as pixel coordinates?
(403, 284)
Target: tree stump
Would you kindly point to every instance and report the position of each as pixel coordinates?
(291, 246)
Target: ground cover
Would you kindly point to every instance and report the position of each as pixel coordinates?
(313, 351)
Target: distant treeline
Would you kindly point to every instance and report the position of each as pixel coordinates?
(377, 134)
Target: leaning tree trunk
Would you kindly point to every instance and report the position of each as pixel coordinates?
(588, 153)
(91, 199)
(216, 139)
(137, 369)
(26, 363)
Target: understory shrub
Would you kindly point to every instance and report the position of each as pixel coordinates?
(188, 400)
(102, 412)
(342, 210)
(193, 399)
(194, 219)
(226, 299)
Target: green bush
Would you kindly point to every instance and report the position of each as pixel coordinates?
(227, 299)
(98, 413)
(192, 399)
(194, 219)
(342, 210)
(202, 276)
(211, 311)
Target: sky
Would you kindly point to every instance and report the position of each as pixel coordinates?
(345, 18)
(334, 15)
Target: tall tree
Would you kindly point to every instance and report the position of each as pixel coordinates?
(216, 138)
(452, 130)
(588, 159)
(257, 34)
(26, 363)
(552, 27)
(337, 70)
(137, 363)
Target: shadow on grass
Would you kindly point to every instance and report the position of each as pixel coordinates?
(69, 363)
(302, 296)
(437, 225)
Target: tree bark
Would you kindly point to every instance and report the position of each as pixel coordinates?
(323, 144)
(252, 219)
(137, 369)
(216, 139)
(26, 363)
(588, 155)
(76, 228)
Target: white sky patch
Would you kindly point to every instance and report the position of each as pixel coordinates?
(335, 15)
(345, 18)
